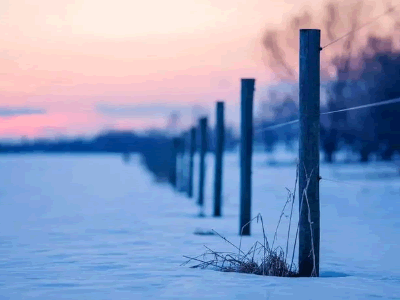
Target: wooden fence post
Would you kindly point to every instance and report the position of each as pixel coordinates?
(309, 97)
(174, 153)
(203, 149)
(182, 166)
(246, 148)
(191, 162)
(186, 160)
(219, 150)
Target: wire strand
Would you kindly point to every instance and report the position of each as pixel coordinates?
(344, 182)
(396, 100)
(391, 9)
(275, 126)
(386, 102)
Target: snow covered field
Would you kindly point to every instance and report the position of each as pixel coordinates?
(91, 227)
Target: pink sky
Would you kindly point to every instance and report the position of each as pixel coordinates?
(67, 57)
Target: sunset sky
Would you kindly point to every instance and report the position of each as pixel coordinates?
(79, 67)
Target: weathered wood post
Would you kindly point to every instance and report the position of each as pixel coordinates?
(174, 153)
(191, 160)
(181, 163)
(309, 97)
(246, 149)
(182, 166)
(203, 149)
(178, 162)
(186, 158)
(219, 150)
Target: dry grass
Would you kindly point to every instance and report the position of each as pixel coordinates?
(262, 258)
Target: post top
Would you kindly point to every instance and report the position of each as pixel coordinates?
(305, 29)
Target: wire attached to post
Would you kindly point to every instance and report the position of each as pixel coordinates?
(392, 101)
(391, 9)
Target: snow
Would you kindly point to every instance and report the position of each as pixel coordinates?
(92, 227)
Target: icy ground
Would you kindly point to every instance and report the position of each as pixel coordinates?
(91, 227)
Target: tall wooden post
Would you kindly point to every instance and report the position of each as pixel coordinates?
(246, 149)
(191, 160)
(203, 149)
(172, 170)
(309, 96)
(182, 165)
(186, 158)
(178, 163)
(219, 149)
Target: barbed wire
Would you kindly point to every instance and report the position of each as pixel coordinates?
(389, 10)
(386, 102)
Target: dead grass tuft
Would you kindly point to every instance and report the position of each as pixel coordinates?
(259, 260)
(262, 258)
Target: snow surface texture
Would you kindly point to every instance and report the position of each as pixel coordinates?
(92, 227)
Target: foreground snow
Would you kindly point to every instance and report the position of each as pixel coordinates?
(90, 227)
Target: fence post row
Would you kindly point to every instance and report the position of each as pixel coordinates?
(203, 149)
(219, 150)
(191, 160)
(246, 148)
(309, 97)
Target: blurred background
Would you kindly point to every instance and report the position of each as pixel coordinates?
(89, 76)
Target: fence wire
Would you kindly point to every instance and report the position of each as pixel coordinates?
(389, 10)
(386, 102)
